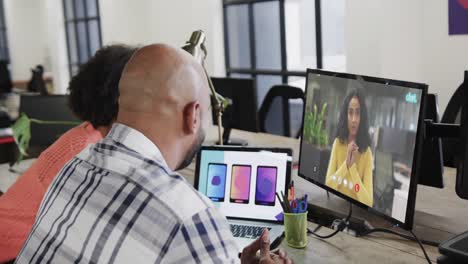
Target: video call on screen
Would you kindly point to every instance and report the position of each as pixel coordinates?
(382, 121)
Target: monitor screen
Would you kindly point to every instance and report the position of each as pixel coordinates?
(242, 182)
(241, 113)
(361, 140)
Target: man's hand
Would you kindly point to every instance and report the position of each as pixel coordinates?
(249, 254)
(351, 153)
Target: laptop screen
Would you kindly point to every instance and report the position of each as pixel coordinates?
(242, 182)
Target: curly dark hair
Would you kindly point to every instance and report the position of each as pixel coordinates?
(94, 91)
(362, 138)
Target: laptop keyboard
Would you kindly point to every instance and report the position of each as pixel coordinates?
(245, 231)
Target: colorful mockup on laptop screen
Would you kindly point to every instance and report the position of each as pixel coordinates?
(243, 181)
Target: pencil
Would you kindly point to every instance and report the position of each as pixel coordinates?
(286, 203)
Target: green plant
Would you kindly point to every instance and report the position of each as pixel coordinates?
(314, 128)
(22, 132)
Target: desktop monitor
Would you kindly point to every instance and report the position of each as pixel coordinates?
(50, 108)
(242, 111)
(362, 140)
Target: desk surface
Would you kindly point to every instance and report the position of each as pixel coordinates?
(439, 214)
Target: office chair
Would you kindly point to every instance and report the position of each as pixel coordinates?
(281, 111)
(242, 111)
(452, 115)
(384, 181)
(5, 78)
(50, 108)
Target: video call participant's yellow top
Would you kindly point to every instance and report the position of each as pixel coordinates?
(355, 181)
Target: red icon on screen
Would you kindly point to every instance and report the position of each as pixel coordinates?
(356, 187)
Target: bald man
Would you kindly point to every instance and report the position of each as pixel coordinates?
(120, 201)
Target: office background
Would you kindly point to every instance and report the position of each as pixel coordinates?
(396, 39)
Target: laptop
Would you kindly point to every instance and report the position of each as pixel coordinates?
(242, 183)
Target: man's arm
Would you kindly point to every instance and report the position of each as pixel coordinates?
(203, 238)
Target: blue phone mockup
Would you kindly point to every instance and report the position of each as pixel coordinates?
(216, 183)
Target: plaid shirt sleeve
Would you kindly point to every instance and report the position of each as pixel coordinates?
(203, 238)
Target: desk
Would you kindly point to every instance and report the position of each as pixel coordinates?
(7, 177)
(439, 214)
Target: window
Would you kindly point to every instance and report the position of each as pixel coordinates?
(4, 52)
(83, 31)
(275, 41)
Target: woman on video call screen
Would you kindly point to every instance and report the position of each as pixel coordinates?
(350, 167)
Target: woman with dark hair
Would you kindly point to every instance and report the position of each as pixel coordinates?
(350, 167)
(94, 99)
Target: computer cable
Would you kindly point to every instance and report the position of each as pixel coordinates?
(341, 225)
(414, 238)
(422, 247)
(389, 231)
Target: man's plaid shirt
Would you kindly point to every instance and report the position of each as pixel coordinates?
(118, 202)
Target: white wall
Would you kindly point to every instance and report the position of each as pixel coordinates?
(362, 27)
(56, 44)
(445, 57)
(396, 39)
(406, 40)
(124, 21)
(36, 33)
(182, 17)
(171, 22)
(25, 33)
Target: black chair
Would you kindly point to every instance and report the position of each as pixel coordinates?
(5, 78)
(50, 108)
(281, 111)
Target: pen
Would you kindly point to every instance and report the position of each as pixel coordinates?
(286, 204)
(293, 194)
(281, 203)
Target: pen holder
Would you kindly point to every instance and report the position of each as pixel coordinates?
(295, 229)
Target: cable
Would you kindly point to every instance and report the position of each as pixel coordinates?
(343, 223)
(422, 247)
(414, 238)
(389, 231)
(315, 230)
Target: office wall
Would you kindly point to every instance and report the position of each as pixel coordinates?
(124, 21)
(36, 32)
(25, 33)
(146, 21)
(405, 40)
(36, 36)
(445, 57)
(397, 39)
(56, 44)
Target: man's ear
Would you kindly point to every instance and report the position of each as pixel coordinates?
(192, 117)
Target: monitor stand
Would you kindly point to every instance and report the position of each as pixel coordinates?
(231, 142)
(325, 217)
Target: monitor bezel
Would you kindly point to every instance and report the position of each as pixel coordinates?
(287, 151)
(410, 208)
